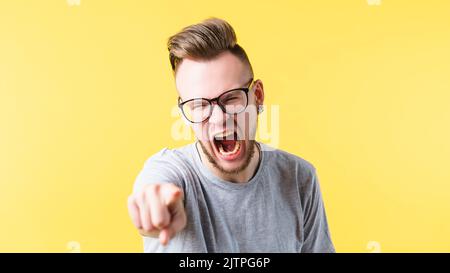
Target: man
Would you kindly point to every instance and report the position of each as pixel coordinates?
(226, 192)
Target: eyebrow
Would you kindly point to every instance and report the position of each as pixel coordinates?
(247, 84)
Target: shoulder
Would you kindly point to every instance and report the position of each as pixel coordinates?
(286, 160)
(167, 165)
(170, 156)
(290, 166)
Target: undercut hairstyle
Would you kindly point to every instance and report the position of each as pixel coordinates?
(205, 41)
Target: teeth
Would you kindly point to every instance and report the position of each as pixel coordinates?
(227, 135)
(236, 148)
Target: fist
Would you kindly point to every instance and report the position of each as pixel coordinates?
(158, 211)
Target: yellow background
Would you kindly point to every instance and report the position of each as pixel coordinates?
(86, 94)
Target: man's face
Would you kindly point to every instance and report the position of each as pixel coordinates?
(227, 140)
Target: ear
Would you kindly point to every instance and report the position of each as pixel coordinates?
(258, 88)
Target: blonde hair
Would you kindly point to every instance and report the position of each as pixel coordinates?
(205, 41)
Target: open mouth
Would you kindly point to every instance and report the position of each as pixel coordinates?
(227, 145)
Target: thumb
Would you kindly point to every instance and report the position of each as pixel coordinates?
(170, 194)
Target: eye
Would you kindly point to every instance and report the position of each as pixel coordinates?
(231, 98)
(198, 105)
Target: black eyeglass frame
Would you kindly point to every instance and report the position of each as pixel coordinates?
(216, 100)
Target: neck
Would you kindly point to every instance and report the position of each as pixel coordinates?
(241, 177)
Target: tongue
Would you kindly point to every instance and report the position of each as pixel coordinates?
(228, 145)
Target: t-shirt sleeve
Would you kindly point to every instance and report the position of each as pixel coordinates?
(160, 168)
(316, 233)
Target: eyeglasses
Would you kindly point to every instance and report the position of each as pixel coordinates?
(232, 102)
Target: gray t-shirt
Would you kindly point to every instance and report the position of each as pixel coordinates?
(280, 209)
